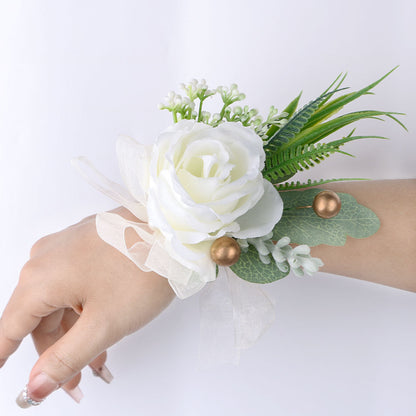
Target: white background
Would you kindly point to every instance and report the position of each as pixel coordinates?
(75, 74)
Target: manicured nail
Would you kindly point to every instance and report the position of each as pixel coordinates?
(24, 401)
(76, 394)
(104, 373)
(36, 390)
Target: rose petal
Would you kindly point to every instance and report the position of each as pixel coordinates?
(262, 218)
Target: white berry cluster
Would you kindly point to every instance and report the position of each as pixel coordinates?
(297, 259)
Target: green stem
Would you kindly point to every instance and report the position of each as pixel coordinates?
(200, 109)
(292, 208)
(223, 111)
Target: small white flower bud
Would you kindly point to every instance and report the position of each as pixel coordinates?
(284, 241)
(265, 259)
(243, 243)
(216, 117)
(237, 110)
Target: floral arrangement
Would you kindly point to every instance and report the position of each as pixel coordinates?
(214, 190)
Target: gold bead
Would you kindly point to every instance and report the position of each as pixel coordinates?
(326, 204)
(225, 251)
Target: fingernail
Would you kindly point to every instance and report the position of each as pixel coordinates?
(76, 394)
(24, 401)
(36, 390)
(104, 373)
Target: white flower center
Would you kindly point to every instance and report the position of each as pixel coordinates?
(203, 168)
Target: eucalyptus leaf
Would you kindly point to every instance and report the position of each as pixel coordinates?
(249, 267)
(303, 226)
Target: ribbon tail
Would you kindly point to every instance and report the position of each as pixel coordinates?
(234, 315)
(108, 187)
(254, 310)
(111, 229)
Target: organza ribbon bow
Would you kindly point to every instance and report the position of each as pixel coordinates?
(234, 313)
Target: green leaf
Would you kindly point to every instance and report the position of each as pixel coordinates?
(249, 267)
(290, 110)
(318, 132)
(334, 106)
(297, 158)
(321, 115)
(291, 129)
(293, 105)
(289, 186)
(303, 226)
(337, 88)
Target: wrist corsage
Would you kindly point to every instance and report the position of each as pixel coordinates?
(214, 196)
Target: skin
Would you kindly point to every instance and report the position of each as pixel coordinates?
(75, 285)
(389, 256)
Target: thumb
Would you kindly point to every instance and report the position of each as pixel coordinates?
(89, 337)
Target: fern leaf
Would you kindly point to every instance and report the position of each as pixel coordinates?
(295, 159)
(300, 157)
(290, 186)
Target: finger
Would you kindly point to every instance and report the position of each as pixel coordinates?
(88, 338)
(72, 388)
(99, 369)
(49, 331)
(49, 324)
(21, 316)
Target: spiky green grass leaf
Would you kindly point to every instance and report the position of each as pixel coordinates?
(290, 130)
(337, 104)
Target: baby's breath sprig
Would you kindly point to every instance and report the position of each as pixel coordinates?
(245, 115)
(178, 105)
(191, 107)
(198, 90)
(229, 96)
(274, 118)
(196, 94)
(250, 117)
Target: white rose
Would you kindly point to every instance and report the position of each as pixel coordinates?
(199, 183)
(206, 182)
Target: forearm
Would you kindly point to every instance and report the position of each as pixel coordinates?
(389, 256)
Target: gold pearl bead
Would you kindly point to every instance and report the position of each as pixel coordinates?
(225, 251)
(326, 204)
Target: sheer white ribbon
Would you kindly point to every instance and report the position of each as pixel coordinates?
(234, 313)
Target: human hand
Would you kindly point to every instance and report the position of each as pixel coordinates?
(77, 296)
